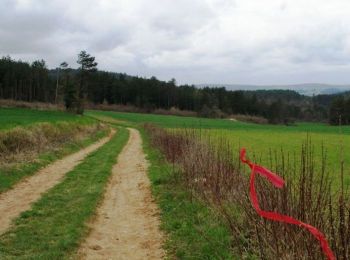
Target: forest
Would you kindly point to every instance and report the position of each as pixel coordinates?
(20, 80)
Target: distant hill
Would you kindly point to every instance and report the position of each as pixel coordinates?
(308, 89)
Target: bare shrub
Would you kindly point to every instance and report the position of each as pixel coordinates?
(212, 112)
(210, 173)
(174, 112)
(32, 105)
(115, 107)
(133, 109)
(249, 119)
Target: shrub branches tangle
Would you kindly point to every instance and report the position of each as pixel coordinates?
(210, 171)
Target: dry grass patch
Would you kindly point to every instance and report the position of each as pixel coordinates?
(24, 144)
(32, 105)
(248, 119)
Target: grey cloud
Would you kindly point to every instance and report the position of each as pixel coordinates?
(109, 40)
(213, 41)
(182, 21)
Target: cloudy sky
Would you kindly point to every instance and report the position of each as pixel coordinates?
(194, 41)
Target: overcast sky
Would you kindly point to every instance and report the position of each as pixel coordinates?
(194, 41)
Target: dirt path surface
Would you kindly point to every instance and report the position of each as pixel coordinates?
(127, 224)
(29, 190)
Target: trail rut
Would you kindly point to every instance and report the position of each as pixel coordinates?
(29, 190)
(127, 224)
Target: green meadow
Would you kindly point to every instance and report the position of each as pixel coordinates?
(260, 140)
(12, 117)
(194, 230)
(208, 123)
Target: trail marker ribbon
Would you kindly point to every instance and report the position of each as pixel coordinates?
(279, 183)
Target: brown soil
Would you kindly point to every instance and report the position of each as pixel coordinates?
(126, 225)
(30, 189)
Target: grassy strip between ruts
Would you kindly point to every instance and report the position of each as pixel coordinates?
(56, 224)
(192, 229)
(9, 177)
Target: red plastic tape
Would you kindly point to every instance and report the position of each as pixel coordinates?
(279, 182)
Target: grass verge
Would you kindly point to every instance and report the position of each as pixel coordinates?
(193, 230)
(10, 176)
(55, 225)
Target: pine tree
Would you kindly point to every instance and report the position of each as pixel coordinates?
(63, 66)
(87, 65)
(70, 96)
(336, 111)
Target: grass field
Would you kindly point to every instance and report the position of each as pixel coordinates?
(12, 117)
(56, 224)
(260, 140)
(308, 196)
(261, 144)
(207, 123)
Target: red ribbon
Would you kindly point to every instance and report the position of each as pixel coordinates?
(279, 182)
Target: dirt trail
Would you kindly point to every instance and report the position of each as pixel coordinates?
(127, 224)
(29, 190)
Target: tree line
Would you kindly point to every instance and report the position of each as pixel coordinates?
(339, 112)
(34, 81)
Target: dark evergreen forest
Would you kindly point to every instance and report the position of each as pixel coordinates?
(34, 81)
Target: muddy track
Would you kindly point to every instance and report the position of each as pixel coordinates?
(126, 225)
(30, 189)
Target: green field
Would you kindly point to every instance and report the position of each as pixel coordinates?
(207, 123)
(260, 140)
(185, 230)
(54, 227)
(12, 117)
(260, 144)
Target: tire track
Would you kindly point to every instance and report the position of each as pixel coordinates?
(127, 224)
(19, 199)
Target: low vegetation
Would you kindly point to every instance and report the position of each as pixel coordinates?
(211, 175)
(25, 149)
(56, 224)
(133, 109)
(194, 231)
(199, 184)
(249, 119)
(10, 103)
(23, 143)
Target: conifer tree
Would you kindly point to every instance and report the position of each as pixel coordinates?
(87, 66)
